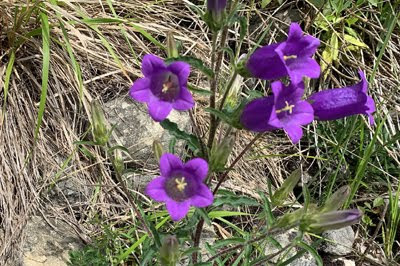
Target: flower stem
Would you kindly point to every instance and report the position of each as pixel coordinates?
(272, 231)
(199, 228)
(213, 87)
(225, 175)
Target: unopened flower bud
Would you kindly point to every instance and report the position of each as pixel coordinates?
(118, 162)
(157, 149)
(172, 50)
(220, 152)
(169, 251)
(336, 200)
(232, 98)
(282, 193)
(215, 13)
(318, 223)
(99, 125)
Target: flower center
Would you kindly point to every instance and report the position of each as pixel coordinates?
(180, 184)
(286, 108)
(286, 57)
(177, 188)
(170, 88)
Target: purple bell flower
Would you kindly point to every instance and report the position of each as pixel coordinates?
(331, 220)
(338, 103)
(284, 109)
(181, 185)
(163, 87)
(289, 58)
(216, 5)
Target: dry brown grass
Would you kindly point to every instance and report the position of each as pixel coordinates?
(25, 179)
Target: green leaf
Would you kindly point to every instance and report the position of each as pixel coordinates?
(7, 82)
(198, 90)
(355, 41)
(194, 62)
(243, 28)
(45, 70)
(216, 214)
(173, 129)
(264, 3)
(378, 202)
(334, 42)
(229, 198)
(282, 193)
(229, 241)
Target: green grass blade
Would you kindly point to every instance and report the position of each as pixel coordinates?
(363, 165)
(7, 81)
(45, 70)
(132, 248)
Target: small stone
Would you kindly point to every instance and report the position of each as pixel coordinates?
(136, 130)
(284, 239)
(339, 242)
(343, 262)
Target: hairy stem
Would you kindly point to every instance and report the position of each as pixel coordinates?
(225, 175)
(213, 87)
(199, 228)
(270, 232)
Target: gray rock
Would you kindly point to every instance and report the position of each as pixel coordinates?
(45, 245)
(138, 182)
(339, 242)
(343, 262)
(136, 130)
(72, 190)
(284, 239)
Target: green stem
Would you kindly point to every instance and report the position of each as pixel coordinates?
(227, 89)
(225, 175)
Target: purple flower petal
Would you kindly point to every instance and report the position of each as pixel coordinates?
(203, 198)
(182, 70)
(185, 100)
(259, 115)
(303, 113)
(283, 94)
(156, 190)
(216, 5)
(294, 132)
(342, 102)
(140, 90)
(178, 210)
(198, 168)
(291, 57)
(265, 63)
(299, 44)
(152, 64)
(159, 110)
(170, 163)
(302, 67)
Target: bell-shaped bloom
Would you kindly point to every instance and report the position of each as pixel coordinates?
(292, 58)
(180, 185)
(331, 220)
(163, 87)
(216, 6)
(338, 103)
(284, 109)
